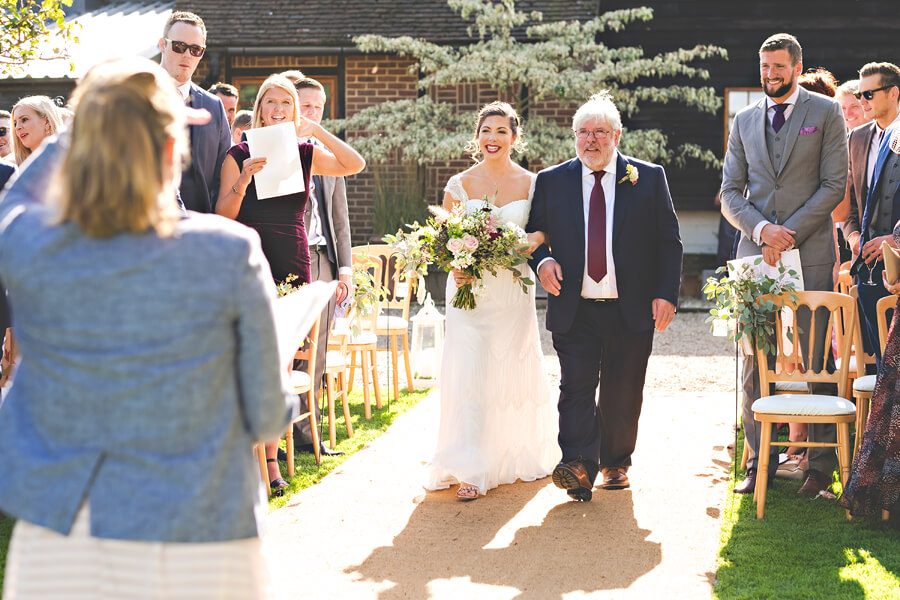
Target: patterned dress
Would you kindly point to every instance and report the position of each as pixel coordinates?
(874, 483)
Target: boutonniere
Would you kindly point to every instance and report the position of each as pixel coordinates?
(631, 174)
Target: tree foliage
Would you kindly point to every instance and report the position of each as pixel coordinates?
(561, 61)
(33, 30)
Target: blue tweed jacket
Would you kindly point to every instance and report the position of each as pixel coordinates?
(149, 368)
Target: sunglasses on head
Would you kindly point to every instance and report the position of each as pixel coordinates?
(181, 47)
(869, 94)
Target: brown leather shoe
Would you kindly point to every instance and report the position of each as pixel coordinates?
(748, 485)
(573, 477)
(615, 478)
(816, 481)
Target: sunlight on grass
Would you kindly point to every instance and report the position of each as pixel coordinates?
(875, 580)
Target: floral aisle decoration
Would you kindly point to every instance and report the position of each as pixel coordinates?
(474, 243)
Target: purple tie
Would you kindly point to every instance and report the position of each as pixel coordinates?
(778, 119)
(597, 230)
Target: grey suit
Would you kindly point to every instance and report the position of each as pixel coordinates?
(331, 200)
(794, 178)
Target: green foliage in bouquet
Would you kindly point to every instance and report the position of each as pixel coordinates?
(287, 286)
(739, 305)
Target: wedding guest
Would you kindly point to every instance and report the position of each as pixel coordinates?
(280, 220)
(7, 361)
(612, 272)
(34, 119)
(293, 75)
(181, 47)
(779, 191)
(874, 483)
(242, 121)
(327, 220)
(854, 116)
(872, 216)
(164, 353)
(6, 148)
(497, 422)
(228, 94)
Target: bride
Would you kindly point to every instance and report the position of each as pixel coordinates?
(498, 422)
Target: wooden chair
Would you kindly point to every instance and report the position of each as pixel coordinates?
(302, 382)
(362, 345)
(845, 285)
(393, 311)
(805, 408)
(336, 376)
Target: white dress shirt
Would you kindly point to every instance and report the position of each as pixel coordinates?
(770, 114)
(185, 91)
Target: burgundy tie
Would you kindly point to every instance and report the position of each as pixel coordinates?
(597, 230)
(778, 119)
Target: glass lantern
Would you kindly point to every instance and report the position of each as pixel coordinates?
(427, 340)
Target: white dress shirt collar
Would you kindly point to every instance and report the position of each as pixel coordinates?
(185, 91)
(609, 168)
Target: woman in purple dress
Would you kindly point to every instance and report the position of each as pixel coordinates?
(874, 483)
(279, 221)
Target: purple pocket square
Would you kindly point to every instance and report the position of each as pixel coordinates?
(808, 130)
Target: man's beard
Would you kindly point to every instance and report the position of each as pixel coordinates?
(782, 90)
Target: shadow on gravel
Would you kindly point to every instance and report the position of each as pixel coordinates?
(578, 547)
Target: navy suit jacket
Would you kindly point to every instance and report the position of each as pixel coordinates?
(884, 151)
(647, 247)
(209, 143)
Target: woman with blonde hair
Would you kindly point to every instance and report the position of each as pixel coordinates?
(34, 118)
(139, 397)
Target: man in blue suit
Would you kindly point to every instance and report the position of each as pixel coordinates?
(181, 47)
(612, 269)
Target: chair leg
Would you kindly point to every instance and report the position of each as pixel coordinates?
(409, 376)
(762, 472)
(353, 356)
(843, 431)
(330, 394)
(263, 470)
(373, 356)
(862, 416)
(394, 366)
(885, 515)
(289, 449)
(341, 377)
(367, 401)
(313, 426)
(745, 456)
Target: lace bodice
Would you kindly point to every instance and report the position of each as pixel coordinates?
(515, 212)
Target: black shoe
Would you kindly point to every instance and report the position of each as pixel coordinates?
(323, 450)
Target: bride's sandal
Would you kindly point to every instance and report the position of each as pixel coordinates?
(467, 492)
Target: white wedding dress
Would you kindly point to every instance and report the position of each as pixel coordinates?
(498, 420)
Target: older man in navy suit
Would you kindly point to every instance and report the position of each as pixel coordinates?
(182, 46)
(613, 272)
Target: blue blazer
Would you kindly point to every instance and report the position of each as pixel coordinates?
(149, 369)
(647, 248)
(884, 151)
(209, 143)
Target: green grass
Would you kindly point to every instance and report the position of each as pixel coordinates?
(306, 473)
(804, 549)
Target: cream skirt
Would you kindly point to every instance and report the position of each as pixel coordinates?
(45, 564)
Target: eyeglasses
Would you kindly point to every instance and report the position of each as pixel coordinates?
(598, 134)
(181, 47)
(4, 131)
(869, 94)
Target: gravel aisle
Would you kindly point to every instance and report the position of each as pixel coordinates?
(368, 530)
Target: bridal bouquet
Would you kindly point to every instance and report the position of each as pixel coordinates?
(472, 243)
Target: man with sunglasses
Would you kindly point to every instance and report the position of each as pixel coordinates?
(6, 148)
(872, 215)
(181, 48)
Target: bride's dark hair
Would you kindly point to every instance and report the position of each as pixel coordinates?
(496, 109)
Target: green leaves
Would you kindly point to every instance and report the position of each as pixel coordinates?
(34, 30)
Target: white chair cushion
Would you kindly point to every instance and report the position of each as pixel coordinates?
(866, 383)
(794, 387)
(364, 337)
(299, 378)
(335, 359)
(852, 367)
(804, 404)
(391, 323)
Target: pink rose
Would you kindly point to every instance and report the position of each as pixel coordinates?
(454, 245)
(470, 242)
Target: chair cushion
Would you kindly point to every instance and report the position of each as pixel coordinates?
(804, 404)
(388, 323)
(299, 379)
(795, 387)
(851, 368)
(364, 337)
(866, 383)
(334, 359)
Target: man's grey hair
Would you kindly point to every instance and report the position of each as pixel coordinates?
(598, 106)
(848, 87)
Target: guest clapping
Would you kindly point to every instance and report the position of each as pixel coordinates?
(139, 396)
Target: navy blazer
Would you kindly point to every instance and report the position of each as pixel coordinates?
(884, 150)
(209, 143)
(647, 249)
